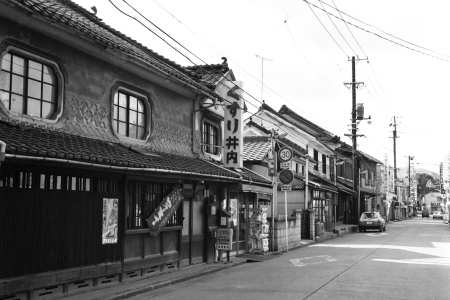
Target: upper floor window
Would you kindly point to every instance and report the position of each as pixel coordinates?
(129, 115)
(316, 158)
(324, 164)
(28, 86)
(210, 138)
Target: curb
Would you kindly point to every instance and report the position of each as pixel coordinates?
(157, 285)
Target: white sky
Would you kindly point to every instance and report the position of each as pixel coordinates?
(308, 68)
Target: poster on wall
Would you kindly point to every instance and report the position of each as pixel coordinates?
(110, 220)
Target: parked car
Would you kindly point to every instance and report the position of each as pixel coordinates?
(425, 213)
(437, 215)
(371, 220)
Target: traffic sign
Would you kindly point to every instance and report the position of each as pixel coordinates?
(286, 187)
(285, 165)
(285, 154)
(286, 176)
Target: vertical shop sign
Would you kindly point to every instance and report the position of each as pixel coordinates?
(233, 142)
(164, 212)
(110, 221)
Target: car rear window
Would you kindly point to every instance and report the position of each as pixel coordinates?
(369, 215)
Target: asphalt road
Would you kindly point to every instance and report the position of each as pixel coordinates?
(410, 260)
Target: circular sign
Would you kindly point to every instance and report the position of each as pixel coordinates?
(286, 176)
(285, 154)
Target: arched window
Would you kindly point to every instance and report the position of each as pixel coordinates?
(28, 86)
(129, 115)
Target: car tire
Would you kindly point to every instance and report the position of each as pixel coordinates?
(381, 228)
(384, 228)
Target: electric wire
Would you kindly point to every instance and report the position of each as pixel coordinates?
(218, 72)
(241, 68)
(348, 28)
(331, 20)
(326, 29)
(378, 35)
(381, 30)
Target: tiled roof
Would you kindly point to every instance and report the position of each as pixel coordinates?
(308, 126)
(209, 74)
(69, 14)
(256, 148)
(27, 140)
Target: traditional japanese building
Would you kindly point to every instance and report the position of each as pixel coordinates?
(107, 172)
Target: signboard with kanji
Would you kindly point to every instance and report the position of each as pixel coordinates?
(165, 210)
(224, 239)
(231, 92)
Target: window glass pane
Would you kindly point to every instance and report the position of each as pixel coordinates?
(140, 106)
(34, 89)
(17, 84)
(141, 120)
(122, 128)
(16, 103)
(4, 97)
(6, 62)
(122, 114)
(49, 93)
(35, 70)
(34, 107)
(18, 65)
(133, 103)
(132, 117)
(49, 75)
(122, 100)
(116, 99)
(47, 109)
(4, 81)
(141, 132)
(88, 184)
(42, 181)
(133, 131)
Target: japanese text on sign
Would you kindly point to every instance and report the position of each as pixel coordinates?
(233, 144)
(224, 239)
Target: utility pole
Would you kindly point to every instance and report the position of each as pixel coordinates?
(394, 136)
(355, 160)
(262, 73)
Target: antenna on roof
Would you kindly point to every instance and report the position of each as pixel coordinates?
(262, 73)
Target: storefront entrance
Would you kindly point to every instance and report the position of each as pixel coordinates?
(193, 239)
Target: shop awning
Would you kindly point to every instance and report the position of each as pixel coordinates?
(322, 186)
(343, 188)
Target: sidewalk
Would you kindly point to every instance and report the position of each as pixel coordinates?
(129, 289)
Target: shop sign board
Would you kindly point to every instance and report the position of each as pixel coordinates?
(110, 218)
(232, 92)
(224, 239)
(164, 212)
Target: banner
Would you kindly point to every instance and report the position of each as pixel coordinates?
(164, 212)
(110, 221)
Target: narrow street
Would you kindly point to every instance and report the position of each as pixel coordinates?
(411, 260)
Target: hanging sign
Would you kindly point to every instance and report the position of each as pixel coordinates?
(233, 137)
(164, 212)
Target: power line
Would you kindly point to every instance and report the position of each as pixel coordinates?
(218, 72)
(338, 30)
(378, 35)
(326, 29)
(382, 30)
